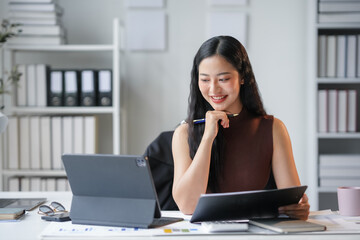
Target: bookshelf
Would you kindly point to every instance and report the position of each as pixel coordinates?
(329, 71)
(111, 117)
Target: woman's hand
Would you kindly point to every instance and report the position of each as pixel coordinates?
(211, 122)
(298, 211)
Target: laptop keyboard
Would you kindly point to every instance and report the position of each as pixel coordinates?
(6, 202)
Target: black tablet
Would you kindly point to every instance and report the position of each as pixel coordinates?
(245, 205)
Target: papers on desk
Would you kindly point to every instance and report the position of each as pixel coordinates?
(335, 223)
(67, 229)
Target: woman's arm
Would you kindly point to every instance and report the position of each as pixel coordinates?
(284, 169)
(191, 175)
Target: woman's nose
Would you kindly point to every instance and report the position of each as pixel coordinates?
(214, 86)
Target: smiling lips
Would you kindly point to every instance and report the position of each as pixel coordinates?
(218, 99)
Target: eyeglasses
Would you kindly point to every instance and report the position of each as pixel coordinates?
(51, 210)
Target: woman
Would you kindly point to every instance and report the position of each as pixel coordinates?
(239, 147)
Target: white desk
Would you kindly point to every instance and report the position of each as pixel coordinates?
(31, 226)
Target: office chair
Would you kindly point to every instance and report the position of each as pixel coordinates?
(159, 154)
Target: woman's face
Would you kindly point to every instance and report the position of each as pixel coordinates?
(219, 83)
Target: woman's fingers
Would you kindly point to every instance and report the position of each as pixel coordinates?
(299, 211)
(215, 116)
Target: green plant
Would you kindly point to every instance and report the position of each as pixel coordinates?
(13, 78)
(8, 30)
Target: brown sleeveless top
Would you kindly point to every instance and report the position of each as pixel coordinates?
(248, 153)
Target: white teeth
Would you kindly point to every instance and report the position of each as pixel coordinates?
(218, 98)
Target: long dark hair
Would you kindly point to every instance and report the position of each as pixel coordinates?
(234, 52)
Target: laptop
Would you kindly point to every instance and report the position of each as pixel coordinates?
(260, 204)
(27, 204)
(113, 190)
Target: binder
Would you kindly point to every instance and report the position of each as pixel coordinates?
(24, 184)
(322, 110)
(56, 142)
(90, 134)
(333, 110)
(342, 110)
(24, 140)
(35, 185)
(14, 184)
(351, 56)
(352, 110)
(55, 89)
(45, 138)
(79, 134)
(42, 74)
(105, 88)
(13, 143)
(35, 144)
(72, 86)
(21, 93)
(68, 137)
(88, 88)
(31, 85)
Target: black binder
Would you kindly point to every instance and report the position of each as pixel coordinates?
(88, 88)
(55, 88)
(105, 88)
(72, 88)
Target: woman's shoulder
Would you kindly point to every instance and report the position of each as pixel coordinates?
(279, 128)
(181, 130)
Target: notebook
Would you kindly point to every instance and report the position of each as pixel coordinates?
(27, 204)
(113, 190)
(245, 205)
(282, 225)
(11, 213)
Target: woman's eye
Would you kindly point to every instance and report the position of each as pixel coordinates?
(223, 79)
(204, 80)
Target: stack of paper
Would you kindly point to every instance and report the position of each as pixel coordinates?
(338, 170)
(40, 22)
(339, 11)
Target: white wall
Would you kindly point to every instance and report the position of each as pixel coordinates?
(156, 84)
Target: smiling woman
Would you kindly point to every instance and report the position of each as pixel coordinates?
(219, 84)
(251, 151)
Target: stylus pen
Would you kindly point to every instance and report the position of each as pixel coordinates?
(202, 120)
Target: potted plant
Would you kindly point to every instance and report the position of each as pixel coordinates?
(7, 31)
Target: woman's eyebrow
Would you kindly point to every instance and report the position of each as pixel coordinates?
(222, 73)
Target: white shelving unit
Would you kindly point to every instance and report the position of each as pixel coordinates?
(326, 143)
(114, 110)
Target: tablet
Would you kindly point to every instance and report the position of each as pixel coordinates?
(113, 190)
(245, 205)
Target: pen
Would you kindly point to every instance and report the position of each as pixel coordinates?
(202, 120)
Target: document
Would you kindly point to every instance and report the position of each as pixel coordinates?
(335, 223)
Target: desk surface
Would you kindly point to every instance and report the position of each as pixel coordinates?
(31, 226)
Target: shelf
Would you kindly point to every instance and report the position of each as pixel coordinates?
(323, 80)
(339, 135)
(35, 173)
(338, 25)
(62, 110)
(62, 48)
